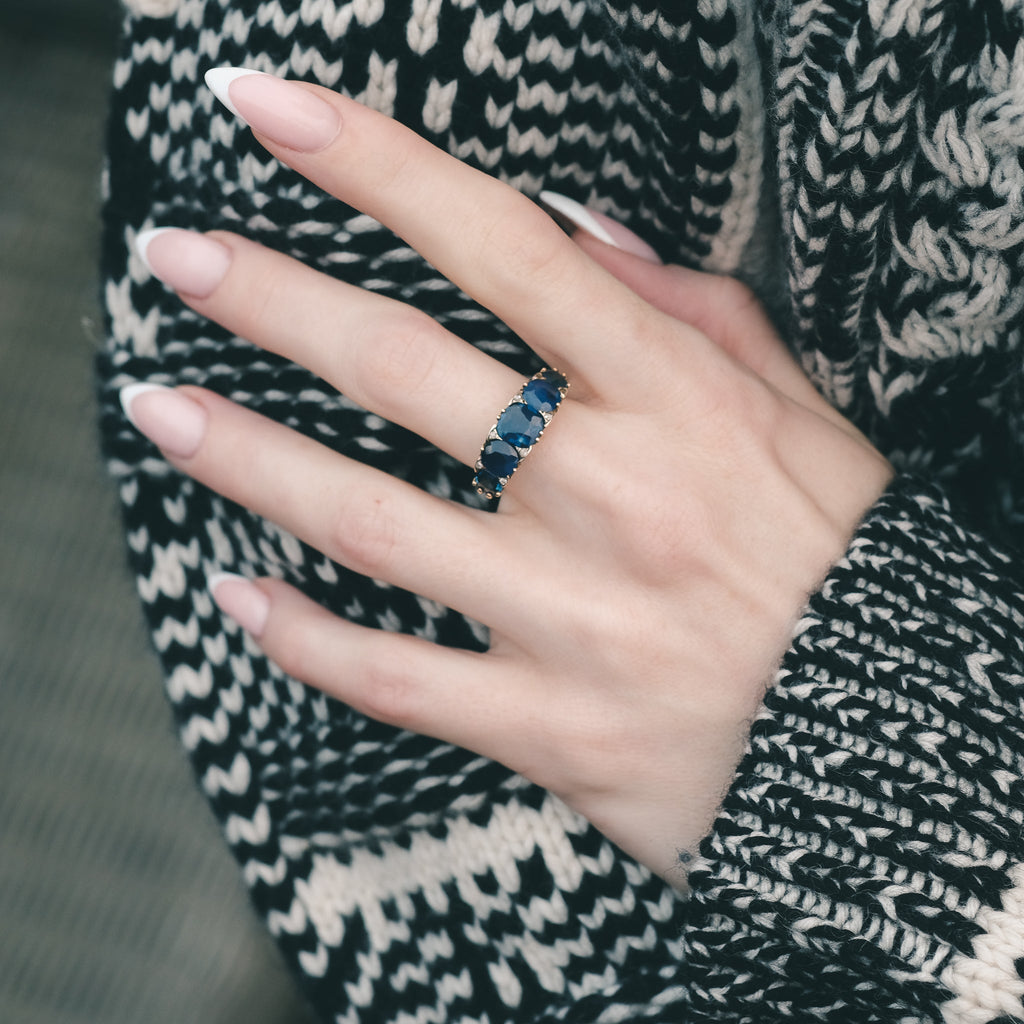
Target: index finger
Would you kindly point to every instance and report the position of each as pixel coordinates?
(484, 236)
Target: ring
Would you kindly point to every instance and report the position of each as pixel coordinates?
(517, 429)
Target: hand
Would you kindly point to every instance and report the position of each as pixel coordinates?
(648, 561)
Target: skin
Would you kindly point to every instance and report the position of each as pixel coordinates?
(673, 573)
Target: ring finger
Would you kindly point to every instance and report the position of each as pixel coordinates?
(364, 519)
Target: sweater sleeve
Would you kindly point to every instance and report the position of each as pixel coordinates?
(867, 861)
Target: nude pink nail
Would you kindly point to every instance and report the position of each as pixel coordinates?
(600, 226)
(174, 423)
(284, 111)
(241, 600)
(186, 261)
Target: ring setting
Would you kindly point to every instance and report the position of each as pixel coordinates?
(517, 429)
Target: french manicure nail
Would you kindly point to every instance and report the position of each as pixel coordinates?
(186, 261)
(284, 111)
(174, 423)
(603, 228)
(218, 81)
(241, 600)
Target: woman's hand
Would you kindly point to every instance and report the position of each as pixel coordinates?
(649, 559)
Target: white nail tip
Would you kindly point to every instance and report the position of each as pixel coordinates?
(219, 81)
(130, 392)
(143, 240)
(217, 578)
(578, 214)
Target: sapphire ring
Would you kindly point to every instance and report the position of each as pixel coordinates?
(517, 430)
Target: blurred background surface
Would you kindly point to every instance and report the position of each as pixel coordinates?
(118, 900)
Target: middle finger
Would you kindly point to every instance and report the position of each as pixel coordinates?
(384, 355)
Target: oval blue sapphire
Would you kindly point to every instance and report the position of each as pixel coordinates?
(554, 377)
(519, 425)
(488, 483)
(541, 396)
(499, 458)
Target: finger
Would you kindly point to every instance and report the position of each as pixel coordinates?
(720, 307)
(723, 309)
(461, 697)
(596, 225)
(387, 356)
(490, 240)
(364, 519)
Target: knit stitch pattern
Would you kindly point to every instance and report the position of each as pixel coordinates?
(867, 862)
(881, 803)
(899, 130)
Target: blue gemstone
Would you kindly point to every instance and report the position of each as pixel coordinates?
(488, 483)
(554, 377)
(499, 458)
(519, 425)
(541, 396)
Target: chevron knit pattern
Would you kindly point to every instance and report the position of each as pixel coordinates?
(860, 163)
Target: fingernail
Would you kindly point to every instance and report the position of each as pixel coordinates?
(283, 111)
(174, 423)
(241, 600)
(603, 228)
(186, 261)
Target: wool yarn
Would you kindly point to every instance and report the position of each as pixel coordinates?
(858, 162)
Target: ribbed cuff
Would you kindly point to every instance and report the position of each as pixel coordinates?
(877, 813)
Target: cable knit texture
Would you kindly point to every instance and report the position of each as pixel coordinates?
(860, 163)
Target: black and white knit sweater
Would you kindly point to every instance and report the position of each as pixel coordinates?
(861, 163)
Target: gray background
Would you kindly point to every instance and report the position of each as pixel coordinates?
(118, 901)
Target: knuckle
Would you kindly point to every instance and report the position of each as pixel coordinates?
(365, 539)
(391, 167)
(716, 402)
(735, 297)
(390, 691)
(659, 528)
(521, 246)
(590, 749)
(265, 296)
(397, 356)
(731, 408)
(661, 543)
(293, 646)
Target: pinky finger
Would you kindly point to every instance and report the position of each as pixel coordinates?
(404, 681)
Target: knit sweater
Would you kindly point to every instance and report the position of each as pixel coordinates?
(861, 164)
